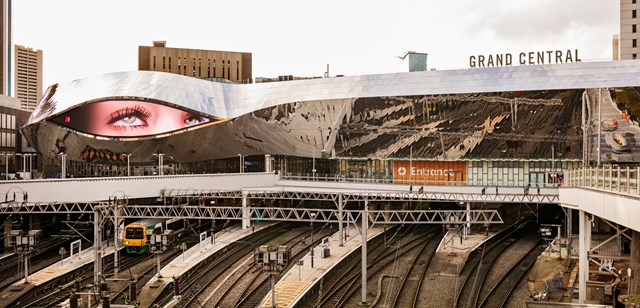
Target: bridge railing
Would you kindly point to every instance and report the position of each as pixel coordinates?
(416, 182)
(620, 179)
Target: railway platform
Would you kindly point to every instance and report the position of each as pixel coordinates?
(300, 279)
(454, 250)
(191, 258)
(59, 269)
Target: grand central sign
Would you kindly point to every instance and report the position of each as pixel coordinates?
(525, 58)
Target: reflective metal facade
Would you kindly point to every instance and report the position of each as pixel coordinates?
(370, 116)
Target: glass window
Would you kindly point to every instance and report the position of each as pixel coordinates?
(134, 233)
(633, 14)
(13, 122)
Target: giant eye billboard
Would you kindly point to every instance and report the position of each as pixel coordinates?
(129, 118)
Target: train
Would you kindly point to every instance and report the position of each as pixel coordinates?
(135, 238)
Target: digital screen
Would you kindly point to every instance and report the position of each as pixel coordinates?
(129, 118)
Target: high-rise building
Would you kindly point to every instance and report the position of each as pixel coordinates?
(628, 37)
(209, 64)
(5, 59)
(28, 79)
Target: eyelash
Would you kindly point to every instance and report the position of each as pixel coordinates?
(194, 117)
(136, 111)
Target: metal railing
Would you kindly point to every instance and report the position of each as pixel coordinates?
(416, 182)
(620, 179)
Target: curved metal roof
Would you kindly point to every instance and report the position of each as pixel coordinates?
(296, 117)
(233, 100)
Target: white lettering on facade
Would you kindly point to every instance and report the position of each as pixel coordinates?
(429, 172)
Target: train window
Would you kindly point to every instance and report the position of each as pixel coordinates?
(134, 233)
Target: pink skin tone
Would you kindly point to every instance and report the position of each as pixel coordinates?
(129, 119)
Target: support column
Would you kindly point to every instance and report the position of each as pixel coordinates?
(97, 249)
(246, 222)
(583, 264)
(365, 226)
(341, 240)
(468, 227)
(116, 252)
(569, 232)
(634, 283)
(267, 163)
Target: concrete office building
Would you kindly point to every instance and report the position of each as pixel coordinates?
(209, 64)
(15, 151)
(628, 37)
(28, 79)
(5, 58)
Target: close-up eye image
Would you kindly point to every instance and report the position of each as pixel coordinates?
(128, 118)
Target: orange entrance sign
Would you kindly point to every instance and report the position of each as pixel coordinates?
(430, 172)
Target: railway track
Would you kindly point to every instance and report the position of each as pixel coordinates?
(474, 281)
(248, 288)
(409, 290)
(40, 258)
(499, 294)
(342, 290)
(58, 290)
(205, 273)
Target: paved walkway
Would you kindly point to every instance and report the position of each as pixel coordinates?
(301, 278)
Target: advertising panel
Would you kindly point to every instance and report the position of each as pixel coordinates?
(430, 172)
(129, 118)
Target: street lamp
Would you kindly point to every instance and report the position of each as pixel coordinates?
(128, 166)
(313, 215)
(160, 161)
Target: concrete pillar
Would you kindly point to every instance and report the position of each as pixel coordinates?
(341, 240)
(246, 220)
(583, 264)
(467, 230)
(569, 220)
(634, 283)
(267, 163)
(97, 246)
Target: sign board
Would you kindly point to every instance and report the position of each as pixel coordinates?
(429, 172)
(75, 247)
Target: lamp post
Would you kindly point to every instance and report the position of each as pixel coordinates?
(160, 161)
(63, 165)
(313, 215)
(128, 166)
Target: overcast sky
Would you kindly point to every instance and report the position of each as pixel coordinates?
(82, 38)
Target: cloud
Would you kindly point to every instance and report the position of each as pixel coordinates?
(542, 20)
